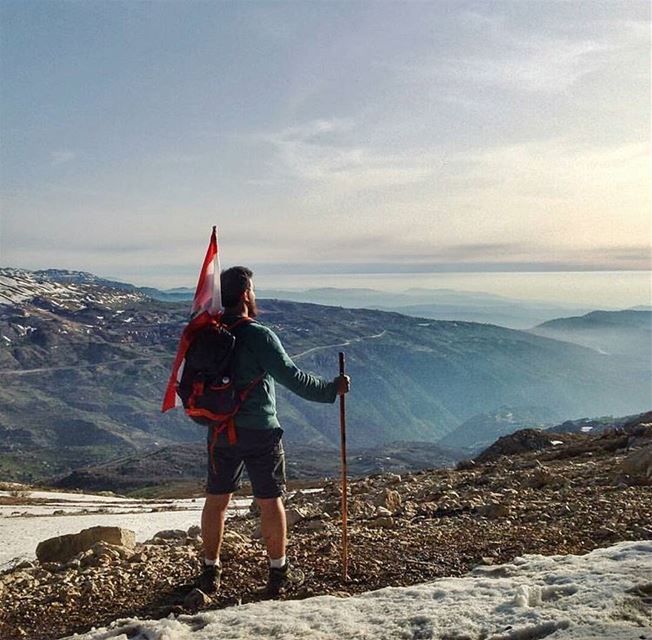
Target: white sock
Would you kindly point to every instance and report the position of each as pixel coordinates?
(278, 563)
(211, 563)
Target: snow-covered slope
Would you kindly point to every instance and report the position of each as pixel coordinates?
(599, 595)
(18, 285)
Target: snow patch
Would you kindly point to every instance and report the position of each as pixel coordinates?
(23, 526)
(22, 330)
(555, 597)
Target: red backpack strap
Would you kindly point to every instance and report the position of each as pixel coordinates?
(248, 389)
(217, 428)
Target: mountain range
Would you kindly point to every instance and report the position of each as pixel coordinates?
(480, 430)
(84, 362)
(422, 302)
(441, 304)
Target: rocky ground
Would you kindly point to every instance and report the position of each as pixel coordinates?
(569, 497)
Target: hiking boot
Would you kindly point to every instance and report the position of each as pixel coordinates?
(209, 578)
(282, 580)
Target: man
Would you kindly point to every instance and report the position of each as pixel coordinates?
(260, 356)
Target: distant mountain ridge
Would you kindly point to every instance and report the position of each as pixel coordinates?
(607, 433)
(439, 304)
(595, 426)
(184, 464)
(626, 334)
(481, 430)
(83, 367)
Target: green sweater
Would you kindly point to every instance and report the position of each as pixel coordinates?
(258, 351)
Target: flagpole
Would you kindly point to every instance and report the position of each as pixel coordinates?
(345, 537)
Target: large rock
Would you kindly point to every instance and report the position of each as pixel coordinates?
(360, 508)
(171, 534)
(64, 548)
(542, 477)
(384, 522)
(233, 545)
(389, 499)
(316, 525)
(638, 466)
(293, 516)
(493, 510)
(168, 535)
(194, 531)
(196, 599)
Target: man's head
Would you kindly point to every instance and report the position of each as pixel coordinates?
(238, 291)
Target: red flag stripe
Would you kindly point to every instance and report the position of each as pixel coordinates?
(206, 307)
(206, 284)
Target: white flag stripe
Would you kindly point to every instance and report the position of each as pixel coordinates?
(216, 297)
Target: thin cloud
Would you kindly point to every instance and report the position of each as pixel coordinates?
(58, 158)
(405, 254)
(402, 267)
(320, 151)
(527, 63)
(545, 67)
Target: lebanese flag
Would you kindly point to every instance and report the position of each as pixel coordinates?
(206, 308)
(208, 296)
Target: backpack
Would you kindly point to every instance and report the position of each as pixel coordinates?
(207, 387)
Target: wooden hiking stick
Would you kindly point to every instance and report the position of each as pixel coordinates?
(345, 537)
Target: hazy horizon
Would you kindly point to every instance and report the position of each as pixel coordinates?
(614, 290)
(595, 289)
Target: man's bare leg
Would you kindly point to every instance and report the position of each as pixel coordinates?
(273, 526)
(212, 524)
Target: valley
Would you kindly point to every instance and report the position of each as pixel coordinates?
(83, 365)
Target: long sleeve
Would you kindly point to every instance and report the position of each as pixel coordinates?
(273, 358)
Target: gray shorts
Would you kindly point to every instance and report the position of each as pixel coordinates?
(260, 451)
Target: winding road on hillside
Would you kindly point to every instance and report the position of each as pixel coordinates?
(340, 344)
(21, 372)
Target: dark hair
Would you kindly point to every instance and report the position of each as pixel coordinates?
(234, 282)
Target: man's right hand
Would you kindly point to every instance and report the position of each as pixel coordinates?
(343, 384)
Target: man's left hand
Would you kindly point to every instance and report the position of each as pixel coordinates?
(343, 384)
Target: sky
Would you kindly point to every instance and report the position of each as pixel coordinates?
(325, 137)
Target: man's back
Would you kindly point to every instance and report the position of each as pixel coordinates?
(260, 352)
